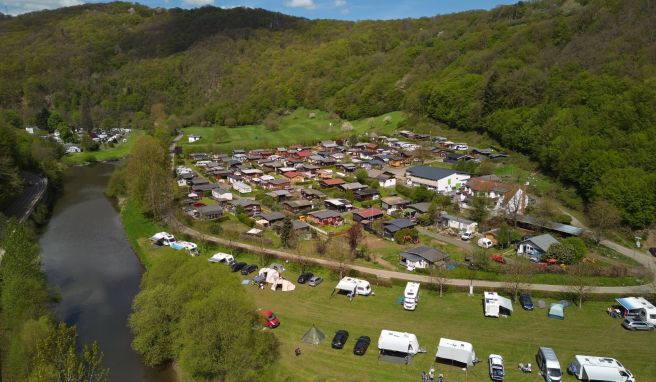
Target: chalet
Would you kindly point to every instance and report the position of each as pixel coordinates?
(272, 166)
(484, 152)
(204, 189)
(242, 187)
(504, 197)
(297, 206)
(535, 247)
(372, 163)
(367, 215)
(393, 203)
(212, 212)
(457, 223)
(422, 257)
(433, 178)
(407, 134)
(341, 205)
(279, 195)
(348, 167)
(308, 168)
(454, 158)
(221, 194)
(221, 174)
(325, 173)
(324, 161)
(251, 207)
(391, 227)
(282, 170)
(314, 159)
(302, 229)
(352, 186)
(331, 182)
(240, 157)
(294, 176)
(198, 181)
(71, 148)
(311, 194)
(278, 184)
(270, 218)
(251, 173)
(366, 194)
(413, 210)
(328, 146)
(386, 179)
(198, 156)
(325, 217)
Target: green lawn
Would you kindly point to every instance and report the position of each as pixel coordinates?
(296, 128)
(119, 151)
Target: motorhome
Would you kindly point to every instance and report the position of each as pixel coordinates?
(162, 238)
(397, 343)
(602, 369)
(640, 308)
(411, 296)
(454, 352)
(354, 286)
(549, 365)
(224, 258)
(496, 305)
(191, 248)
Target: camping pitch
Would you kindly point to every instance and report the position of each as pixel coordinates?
(313, 336)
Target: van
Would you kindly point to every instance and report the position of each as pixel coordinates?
(411, 296)
(549, 365)
(484, 242)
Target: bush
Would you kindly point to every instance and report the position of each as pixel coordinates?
(246, 220)
(563, 219)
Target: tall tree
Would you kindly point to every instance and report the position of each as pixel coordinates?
(354, 236)
(603, 218)
(287, 233)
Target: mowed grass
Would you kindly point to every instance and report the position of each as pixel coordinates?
(457, 316)
(119, 151)
(296, 128)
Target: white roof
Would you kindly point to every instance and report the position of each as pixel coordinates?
(411, 288)
(398, 341)
(459, 351)
(495, 298)
(350, 283)
(599, 368)
(496, 359)
(221, 256)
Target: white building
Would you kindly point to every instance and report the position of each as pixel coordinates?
(437, 179)
(242, 187)
(193, 138)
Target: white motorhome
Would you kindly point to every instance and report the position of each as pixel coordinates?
(639, 307)
(411, 296)
(455, 352)
(549, 365)
(354, 286)
(221, 257)
(496, 305)
(162, 238)
(601, 369)
(398, 343)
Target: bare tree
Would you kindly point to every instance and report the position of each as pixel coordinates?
(602, 217)
(578, 274)
(518, 276)
(353, 236)
(340, 254)
(438, 277)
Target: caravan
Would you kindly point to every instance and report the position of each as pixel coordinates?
(411, 296)
(354, 286)
(397, 343)
(223, 258)
(496, 305)
(602, 369)
(191, 248)
(454, 352)
(162, 238)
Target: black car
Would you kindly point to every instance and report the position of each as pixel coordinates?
(361, 345)
(304, 277)
(525, 300)
(237, 266)
(340, 339)
(248, 269)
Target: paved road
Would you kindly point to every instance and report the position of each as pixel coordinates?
(388, 274)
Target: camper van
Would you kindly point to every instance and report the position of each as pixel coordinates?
(354, 286)
(549, 365)
(591, 368)
(496, 305)
(411, 296)
(398, 343)
(162, 238)
(640, 308)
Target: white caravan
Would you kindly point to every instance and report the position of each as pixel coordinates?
(411, 296)
(639, 307)
(600, 369)
(162, 238)
(455, 352)
(496, 305)
(190, 247)
(398, 342)
(354, 286)
(221, 257)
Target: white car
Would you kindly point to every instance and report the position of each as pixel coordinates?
(466, 236)
(496, 367)
(484, 242)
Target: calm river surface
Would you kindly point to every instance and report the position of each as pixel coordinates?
(87, 258)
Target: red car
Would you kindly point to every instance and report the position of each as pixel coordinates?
(268, 319)
(498, 259)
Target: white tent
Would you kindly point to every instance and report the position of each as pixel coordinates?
(271, 275)
(455, 352)
(284, 285)
(400, 342)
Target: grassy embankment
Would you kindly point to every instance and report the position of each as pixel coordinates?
(118, 151)
(455, 315)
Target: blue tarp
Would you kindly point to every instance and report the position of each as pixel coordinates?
(176, 246)
(557, 311)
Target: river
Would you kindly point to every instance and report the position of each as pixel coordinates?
(87, 258)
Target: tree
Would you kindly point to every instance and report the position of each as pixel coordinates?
(88, 144)
(41, 119)
(518, 277)
(479, 212)
(341, 255)
(507, 235)
(438, 277)
(321, 246)
(579, 282)
(361, 175)
(354, 236)
(287, 233)
(603, 217)
(405, 235)
(568, 251)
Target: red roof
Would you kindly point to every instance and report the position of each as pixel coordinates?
(333, 182)
(368, 213)
(304, 153)
(291, 174)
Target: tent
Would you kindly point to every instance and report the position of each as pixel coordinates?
(313, 336)
(557, 311)
(541, 304)
(283, 285)
(454, 352)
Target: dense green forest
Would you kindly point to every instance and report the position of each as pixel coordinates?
(570, 83)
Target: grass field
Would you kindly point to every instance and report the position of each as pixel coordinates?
(119, 151)
(296, 128)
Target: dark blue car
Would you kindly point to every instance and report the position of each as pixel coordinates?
(525, 300)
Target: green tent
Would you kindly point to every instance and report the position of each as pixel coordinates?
(313, 336)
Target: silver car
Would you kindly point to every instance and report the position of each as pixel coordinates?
(635, 324)
(315, 280)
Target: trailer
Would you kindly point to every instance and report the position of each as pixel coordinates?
(190, 247)
(496, 305)
(354, 287)
(398, 343)
(453, 352)
(599, 369)
(411, 296)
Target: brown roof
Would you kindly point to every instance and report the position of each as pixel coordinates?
(333, 182)
(367, 213)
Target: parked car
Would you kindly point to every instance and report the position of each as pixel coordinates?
(498, 259)
(304, 277)
(495, 362)
(361, 345)
(652, 250)
(340, 339)
(466, 236)
(525, 300)
(237, 266)
(635, 324)
(315, 280)
(484, 242)
(268, 319)
(248, 269)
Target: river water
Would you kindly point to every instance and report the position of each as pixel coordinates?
(87, 258)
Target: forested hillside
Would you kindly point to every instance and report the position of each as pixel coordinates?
(570, 83)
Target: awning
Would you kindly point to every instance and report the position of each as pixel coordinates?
(506, 303)
(630, 303)
(597, 373)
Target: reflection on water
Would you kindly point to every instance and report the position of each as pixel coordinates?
(88, 259)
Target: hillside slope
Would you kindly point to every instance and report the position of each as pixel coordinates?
(571, 83)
